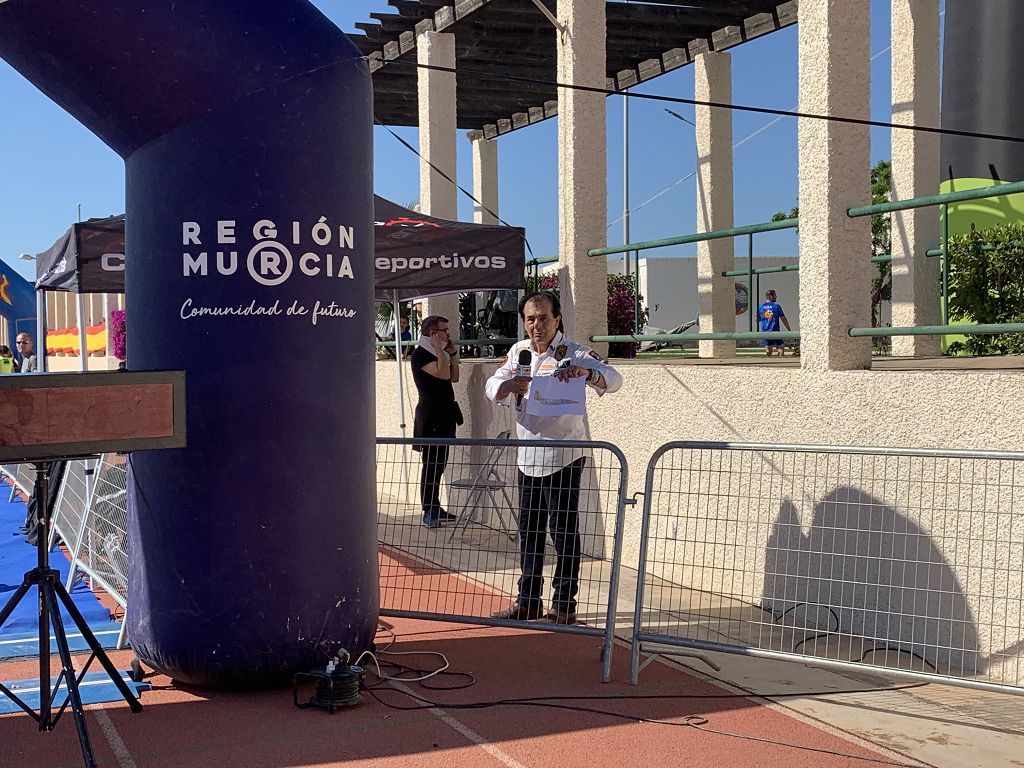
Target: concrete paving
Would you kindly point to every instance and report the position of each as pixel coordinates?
(935, 723)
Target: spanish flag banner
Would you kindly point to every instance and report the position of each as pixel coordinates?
(66, 340)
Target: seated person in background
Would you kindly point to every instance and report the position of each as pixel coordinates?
(7, 364)
(406, 335)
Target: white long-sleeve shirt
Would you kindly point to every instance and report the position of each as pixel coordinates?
(538, 462)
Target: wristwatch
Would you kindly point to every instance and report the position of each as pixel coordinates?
(591, 378)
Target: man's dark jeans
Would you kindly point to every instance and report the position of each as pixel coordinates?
(551, 501)
(435, 459)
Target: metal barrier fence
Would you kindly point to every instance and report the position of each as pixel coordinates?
(103, 554)
(89, 516)
(910, 561)
(22, 478)
(470, 566)
(70, 509)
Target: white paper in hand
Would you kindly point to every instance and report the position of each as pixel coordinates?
(550, 397)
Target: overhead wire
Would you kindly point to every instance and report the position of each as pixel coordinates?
(454, 183)
(749, 137)
(481, 74)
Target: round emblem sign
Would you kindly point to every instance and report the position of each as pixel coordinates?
(742, 298)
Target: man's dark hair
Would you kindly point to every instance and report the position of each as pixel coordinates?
(549, 296)
(430, 323)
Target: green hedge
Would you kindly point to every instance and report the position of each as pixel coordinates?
(986, 285)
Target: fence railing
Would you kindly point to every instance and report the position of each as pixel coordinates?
(90, 517)
(903, 561)
(753, 275)
(71, 510)
(854, 558)
(504, 499)
(21, 476)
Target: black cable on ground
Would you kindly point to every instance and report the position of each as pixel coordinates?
(697, 722)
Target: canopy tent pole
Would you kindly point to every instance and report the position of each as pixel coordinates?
(109, 351)
(401, 396)
(83, 345)
(40, 330)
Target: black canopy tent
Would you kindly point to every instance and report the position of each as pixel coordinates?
(415, 256)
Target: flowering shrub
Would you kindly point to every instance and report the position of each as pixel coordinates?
(117, 328)
(621, 319)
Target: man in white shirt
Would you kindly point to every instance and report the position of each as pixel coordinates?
(549, 478)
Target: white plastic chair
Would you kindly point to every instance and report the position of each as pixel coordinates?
(487, 481)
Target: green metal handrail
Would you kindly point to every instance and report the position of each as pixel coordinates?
(543, 260)
(390, 343)
(939, 330)
(762, 270)
(997, 190)
(700, 237)
(944, 199)
(724, 336)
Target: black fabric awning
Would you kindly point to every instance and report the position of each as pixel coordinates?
(88, 258)
(415, 255)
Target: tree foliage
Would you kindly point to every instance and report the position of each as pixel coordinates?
(881, 236)
(986, 285)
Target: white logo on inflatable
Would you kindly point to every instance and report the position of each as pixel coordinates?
(270, 261)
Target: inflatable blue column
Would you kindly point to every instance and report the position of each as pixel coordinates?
(247, 136)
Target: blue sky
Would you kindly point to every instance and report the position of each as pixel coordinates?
(51, 164)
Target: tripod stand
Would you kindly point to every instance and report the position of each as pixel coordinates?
(52, 596)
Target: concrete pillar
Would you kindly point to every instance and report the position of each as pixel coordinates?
(582, 170)
(437, 115)
(835, 250)
(915, 172)
(715, 294)
(485, 181)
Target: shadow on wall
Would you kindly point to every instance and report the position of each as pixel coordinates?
(866, 570)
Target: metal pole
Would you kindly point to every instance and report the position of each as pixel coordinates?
(83, 345)
(625, 212)
(106, 324)
(945, 264)
(40, 330)
(401, 394)
(625, 182)
(751, 299)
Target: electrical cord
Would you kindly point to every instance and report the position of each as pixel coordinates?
(425, 676)
(697, 722)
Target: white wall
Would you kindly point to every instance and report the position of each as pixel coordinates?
(953, 409)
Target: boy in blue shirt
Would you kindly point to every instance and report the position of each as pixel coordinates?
(770, 313)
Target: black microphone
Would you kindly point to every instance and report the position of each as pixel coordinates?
(523, 369)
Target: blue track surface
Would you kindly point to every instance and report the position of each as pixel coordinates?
(17, 557)
(95, 688)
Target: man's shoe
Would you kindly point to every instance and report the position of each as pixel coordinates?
(561, 617)
(520, 612)
(431, 522)
(445, 516)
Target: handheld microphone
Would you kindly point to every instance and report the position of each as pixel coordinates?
(523, 369)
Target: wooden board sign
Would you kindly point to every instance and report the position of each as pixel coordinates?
(55, 415)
